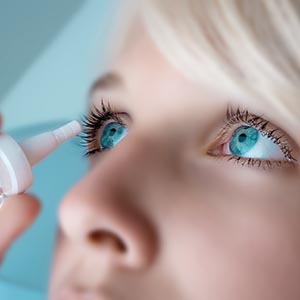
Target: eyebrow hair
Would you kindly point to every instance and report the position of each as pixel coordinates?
(106, 81)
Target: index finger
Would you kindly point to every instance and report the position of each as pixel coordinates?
(17, 214)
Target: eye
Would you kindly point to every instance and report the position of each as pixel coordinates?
(247, 141)
(103, 129)
(112, 134)
(252, 140)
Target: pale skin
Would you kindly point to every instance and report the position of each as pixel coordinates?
(185, 225)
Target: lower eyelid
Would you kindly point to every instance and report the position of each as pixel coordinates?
(258, 164)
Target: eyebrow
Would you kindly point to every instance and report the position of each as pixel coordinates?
(106, 81)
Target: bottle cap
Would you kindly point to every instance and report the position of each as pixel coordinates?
(15, 171)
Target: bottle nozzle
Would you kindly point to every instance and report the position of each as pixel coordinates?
(40, 146)
(67, 131)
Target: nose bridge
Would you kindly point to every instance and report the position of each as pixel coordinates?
(105, 203)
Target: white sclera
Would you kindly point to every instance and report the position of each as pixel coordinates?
(15, 171)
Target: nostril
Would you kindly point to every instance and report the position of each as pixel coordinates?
(99, 237)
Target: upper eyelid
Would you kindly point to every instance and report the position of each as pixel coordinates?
(116, 105)
(234, 116)
(276, 119)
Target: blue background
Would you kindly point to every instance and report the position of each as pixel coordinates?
(51, 51)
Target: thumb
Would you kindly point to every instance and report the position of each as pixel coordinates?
(16, 215)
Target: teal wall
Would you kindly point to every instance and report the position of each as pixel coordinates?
(46, 75)
(26, 28)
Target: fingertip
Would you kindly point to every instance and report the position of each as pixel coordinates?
(33, 205)
(22, 208)
(16, 216)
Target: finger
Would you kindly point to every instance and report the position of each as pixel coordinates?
(16, 215)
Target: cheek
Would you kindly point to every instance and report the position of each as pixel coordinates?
(236, 238)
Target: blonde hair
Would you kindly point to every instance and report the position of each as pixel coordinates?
(248, 46)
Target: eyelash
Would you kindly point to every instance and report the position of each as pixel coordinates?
(238, 116)
(93, 122)
(96, 119)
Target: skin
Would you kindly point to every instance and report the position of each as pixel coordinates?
(156, 217)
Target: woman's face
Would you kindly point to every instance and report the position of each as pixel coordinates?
(165, 213)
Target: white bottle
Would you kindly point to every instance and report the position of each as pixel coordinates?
(17, 159)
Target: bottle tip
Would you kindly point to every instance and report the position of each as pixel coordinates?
(68, 131)
(75, 126)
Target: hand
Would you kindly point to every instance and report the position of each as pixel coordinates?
(16, 215)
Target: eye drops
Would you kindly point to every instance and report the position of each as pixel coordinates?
(17, 159)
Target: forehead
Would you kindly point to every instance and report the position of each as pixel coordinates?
(140, 58)
(140, 67)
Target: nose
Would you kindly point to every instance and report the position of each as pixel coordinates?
(103, 212)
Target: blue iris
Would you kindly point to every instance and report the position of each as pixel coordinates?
(243, 140)
(112, 134)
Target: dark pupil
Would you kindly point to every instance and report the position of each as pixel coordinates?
(242, 137)
(112, 131)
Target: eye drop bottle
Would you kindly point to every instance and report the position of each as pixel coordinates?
(17, 159)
